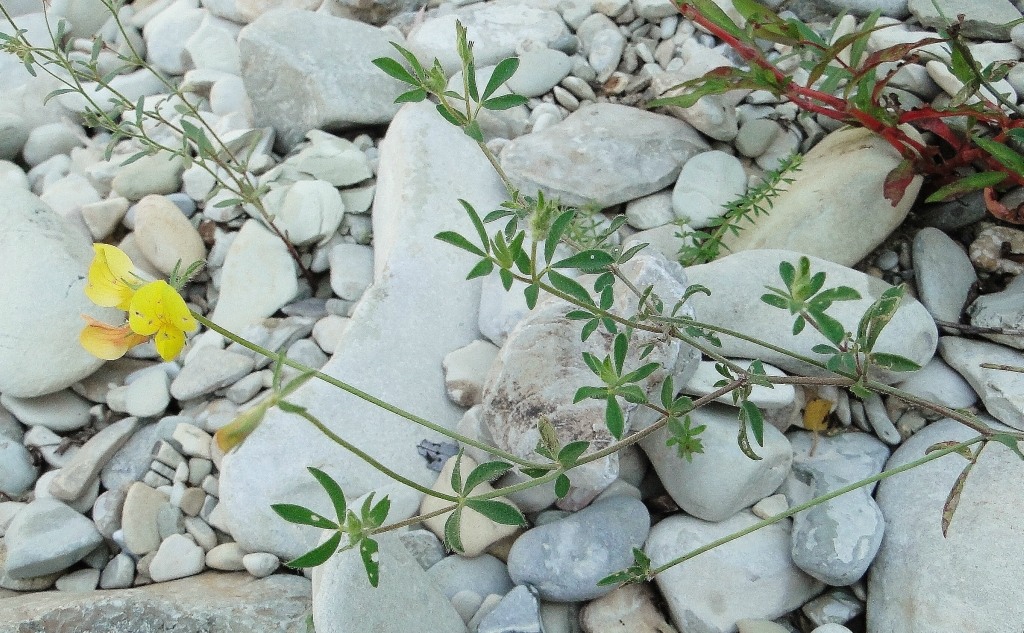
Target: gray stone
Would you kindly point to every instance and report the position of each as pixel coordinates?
(60, 411)
(834, 607)
(627, 608)
(260, 564)
(917, 582)
(755, 136)
(602, 154)
(306, 211)
(737, 280)
(707, 183)
(17, 470)
(1002, 392)
(344, 601)
(752, 577)
(483, 574)
(139, 518)
(548, 557)
(420, 285)
(518, 612)
(81, 503)
(943, 272)
(258, 277)
(165, 236)
(226, 557)
(983, 19)
(351, 270)
(496, 29)
(130, 463)
(119, 572)
(156, 174)
(939, 383)
(812, 216)
(650, 211)
(147, 396)
(424, 546)
(201, 604)
(208, 370)
(106, 512)
(290, 72)
(46, 537)
(465, 370)
(1001, 310)
(835, 541)
(539, 71)
(892, 8)
(79, 580)
(721, 481)
(177, 557)
(84, 468)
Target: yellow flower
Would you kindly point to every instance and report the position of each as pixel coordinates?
(158, 310)
(106, 341)
(111, 276)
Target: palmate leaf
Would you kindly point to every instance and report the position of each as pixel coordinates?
(501, 73)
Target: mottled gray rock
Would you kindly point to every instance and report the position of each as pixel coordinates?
(918, 581)
(131, 462)
(465, 370)
(524, 384)
(602, 154)
(306, 211)
(943, 272)
(46, 537)
(424, 546)
(210, 602)
(405, 599)
(420, 285)
(721, 481)
(752, 577)
(549, 557)
(812, 215)
(84, 468)
(290, 72)
(628, 608)
(892, 8)
(1002, 392)
(835, 541)
(736, 282)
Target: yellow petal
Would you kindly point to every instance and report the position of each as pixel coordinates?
(145, 314)
(108, 274)
(106, 341)
(816, 414)
(169, 341)
(176, 312)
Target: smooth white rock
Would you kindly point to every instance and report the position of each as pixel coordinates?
(345, 602)
(258, 277)
(419, 286)
(103, 217)
(465, 370)
(943, 272)
(940, 383)
(178, 557)
(627, 608)
(332, 159)
(208, 370)
(328, 332)
(738, 280)
(138, 518)
(79, 580)
(721, 481)
(352, 268)
(226, 557)
(41, 311)
(156, 174)
(45, 537)
(165, 236)
(17, 470)
(260, 564)
(753, 577)
(167, 33)
(60, 411)
(812, 216)
(917, 582)
(650, 211)
(83, 470)
(214, 45)
(146, 397)
(703, 380)
(706, 183)
(1002, 392)
(539, 71)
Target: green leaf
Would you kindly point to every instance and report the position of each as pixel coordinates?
(318, 555)
(470, 76)
(788, 273)
(395, 69)
(497, 511)
(589, 328)
(1002, 153)
(504, 102)
(198, 136)
(456, 479)
(798, 325)
(368, 552)
(1009, 442)
(379, 513)
(561, 486)
(643, 372)
(482, 269)
(613, 418)
(775, 301)
(973, 182)
(413, 96)
(455, 239)
(824, 349)
(473, 131)
(583, 393)
(894, 362)
(333, 491)
(589, 261)
(710, 10)
(832, 329)
(668, 392)
(619, 348)
(506, 278)
(570, 287)
(455, 118)
(302, 516)
(632, 393)
(501, 73)
(839, 293)
(555, 233)
(953, 498)
(531, 293)
(453, 531)
(756, 420)
(571, 452)
(486, 472)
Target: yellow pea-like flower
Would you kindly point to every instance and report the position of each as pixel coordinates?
(106, 341)
(157, 310)
(111, 276)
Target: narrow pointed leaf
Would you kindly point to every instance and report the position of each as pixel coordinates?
(589, 392)
(562, 484)
(453, 531)
(555, 233)
(643, 372)
(504, 102)
(953, 498)
(482, 269)
(318, 555)
(302, 516)
(412, 96)
(531, 293)
(570, 287)
(894, 362)
(333, 491)
(455, 239)
(497, 511)
(368, 552)
(394, 69)
(485, 473)
(591, 260)
(613, 418)
(571, 452)
(501, 73)
(619, 349)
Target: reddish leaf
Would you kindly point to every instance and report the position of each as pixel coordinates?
(897, 181)
(1000, 210)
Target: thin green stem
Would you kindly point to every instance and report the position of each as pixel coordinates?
(813, 502)
(344, 386)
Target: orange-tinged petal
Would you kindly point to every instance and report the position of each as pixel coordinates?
(169, 341)
(233, 433)
(106, 341)
(108, 274)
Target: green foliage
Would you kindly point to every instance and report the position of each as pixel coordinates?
(639, 571)
(616, 384)
(497, 511)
